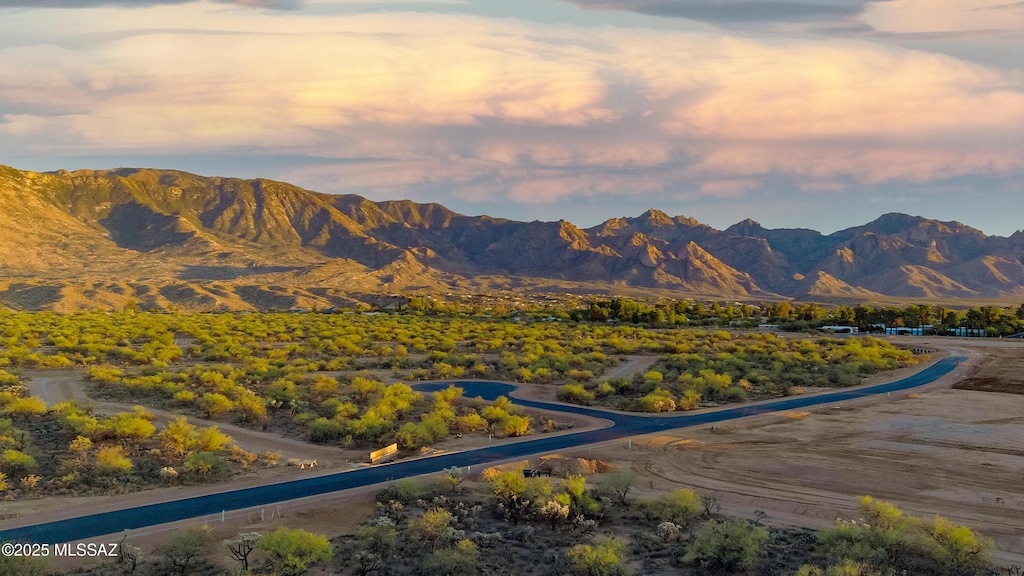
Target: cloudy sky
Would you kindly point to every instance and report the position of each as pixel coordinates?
(798, 113)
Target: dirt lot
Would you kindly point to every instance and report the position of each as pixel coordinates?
(997, 373)
(944, 451)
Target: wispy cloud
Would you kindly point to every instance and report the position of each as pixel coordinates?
(274, 4)
(734, 11)
(836, 17)
(945, 16)
(893, 199)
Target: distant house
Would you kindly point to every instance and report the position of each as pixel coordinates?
(969, 332)
(905, 331)
(841, 329)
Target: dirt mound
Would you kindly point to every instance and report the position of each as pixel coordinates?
(988, 384)
(564, 467)
(494, 471)
(554, 465)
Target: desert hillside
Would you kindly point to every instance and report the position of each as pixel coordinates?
(165, 238)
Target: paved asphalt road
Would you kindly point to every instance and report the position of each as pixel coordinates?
(623, 425)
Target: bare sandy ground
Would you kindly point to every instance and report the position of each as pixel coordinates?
(934, 451)
(632, 365)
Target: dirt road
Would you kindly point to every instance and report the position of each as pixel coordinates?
(56, 386)
(632, 366)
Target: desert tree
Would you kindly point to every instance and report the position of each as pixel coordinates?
(294, 551)
(679, 506)
(618, 484)
(515, 495)
(710, 504)
(366, 562)
(668, 530)
(846, 568)
(460, 560)
(960, 549)
(433, 526)
(555, 512)
(22, 566)
(184, 549)
(379, 535)
(730, 546)
(604, 559)
(242, 545)
(452, 478)
(130, 555)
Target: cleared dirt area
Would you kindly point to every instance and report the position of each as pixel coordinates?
(998, 372)
(956, 453)
(633, 365)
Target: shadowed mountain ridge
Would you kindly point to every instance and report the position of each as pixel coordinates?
(133, 224)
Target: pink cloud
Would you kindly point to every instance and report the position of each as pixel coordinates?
(497, 107)
(924, 16)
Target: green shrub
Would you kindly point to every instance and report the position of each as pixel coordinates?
(403, 491)
(727, 546)
(657, 401)
(575, 393)
(294, 552)
(17, 464)
(604, 559)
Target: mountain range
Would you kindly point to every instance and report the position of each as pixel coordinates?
(165, 238)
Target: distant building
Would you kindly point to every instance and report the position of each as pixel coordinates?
(905, 331)
(767, 327)
(967, 332)
(841, 329)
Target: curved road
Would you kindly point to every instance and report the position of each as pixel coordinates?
(623, 425)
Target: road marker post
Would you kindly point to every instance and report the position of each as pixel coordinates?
(222, 516)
